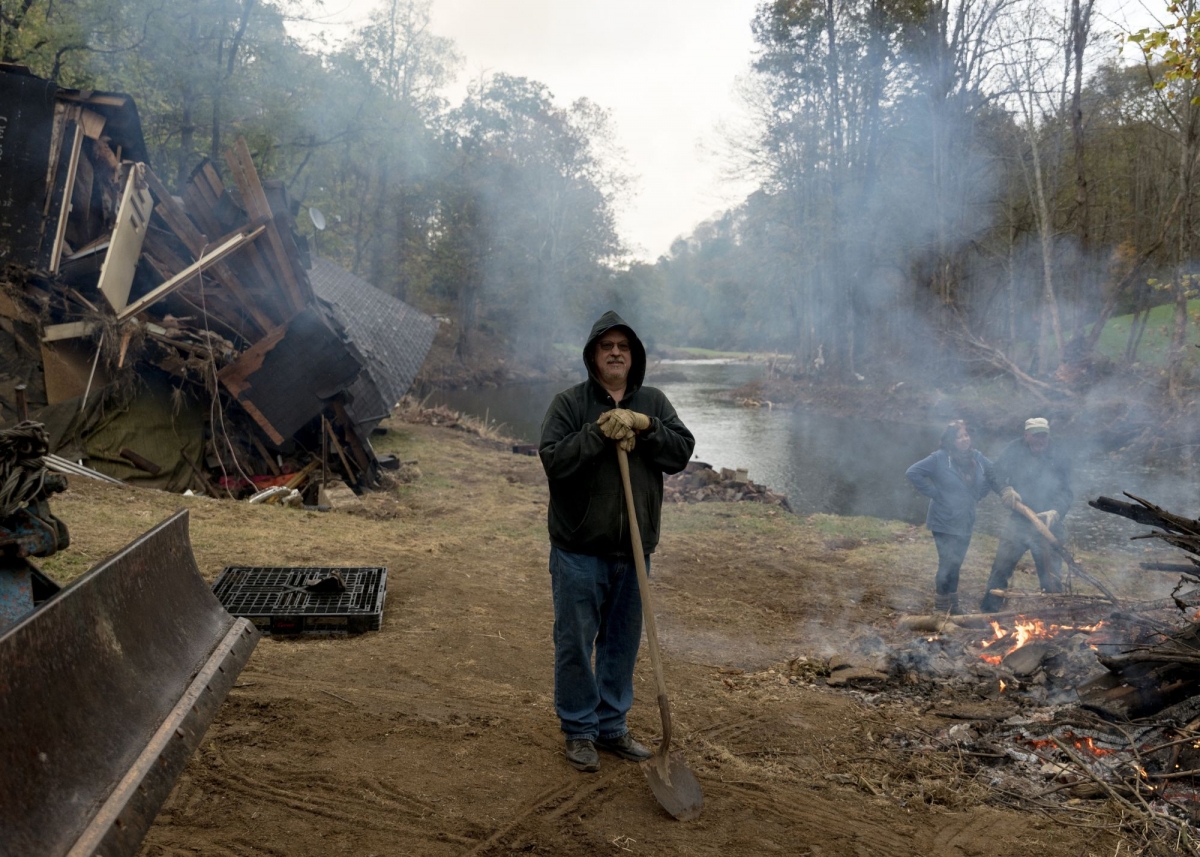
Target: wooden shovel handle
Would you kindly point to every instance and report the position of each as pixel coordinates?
(639, 562)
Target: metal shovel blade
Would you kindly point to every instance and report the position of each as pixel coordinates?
(674, 785)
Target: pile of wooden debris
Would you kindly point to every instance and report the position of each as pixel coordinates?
(183, 339)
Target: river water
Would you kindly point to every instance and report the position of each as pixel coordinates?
(842, 465)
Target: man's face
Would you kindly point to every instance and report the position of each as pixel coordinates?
(1037, 441)
(612, 357)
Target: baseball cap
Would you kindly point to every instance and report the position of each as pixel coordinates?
(1037, 425)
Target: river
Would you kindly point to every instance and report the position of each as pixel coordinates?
(841, 465)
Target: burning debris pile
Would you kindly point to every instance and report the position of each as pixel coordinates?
(183, 341)
(1011, 688)
(700, 482)
(1070, 697)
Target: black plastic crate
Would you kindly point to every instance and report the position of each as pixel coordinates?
(277, 601)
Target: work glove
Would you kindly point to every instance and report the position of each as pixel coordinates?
(1049, 517)
(613, 429)
(620, 423)
(1009, 497)
(627, 443)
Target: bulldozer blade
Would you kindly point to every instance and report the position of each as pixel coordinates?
(106, 689)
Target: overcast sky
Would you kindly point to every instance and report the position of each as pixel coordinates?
(665, 69)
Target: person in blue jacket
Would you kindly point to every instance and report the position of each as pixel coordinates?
(954, 478)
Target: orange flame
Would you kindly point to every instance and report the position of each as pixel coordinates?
(1090, 745)
(1024, 630)
(1085, 744)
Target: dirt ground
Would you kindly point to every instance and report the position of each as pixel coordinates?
(437, 735)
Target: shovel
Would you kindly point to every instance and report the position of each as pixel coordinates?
(671, 780)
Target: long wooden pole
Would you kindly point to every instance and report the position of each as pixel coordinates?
(1045, 533)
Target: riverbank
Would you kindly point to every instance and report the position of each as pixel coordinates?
(1133, 416)
(1130, 412)
(436, 735)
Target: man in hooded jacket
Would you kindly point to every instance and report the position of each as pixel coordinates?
(597, 605)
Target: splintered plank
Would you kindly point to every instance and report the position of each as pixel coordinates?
(199, 208)
(75, 131)
(209, 186)
(173, 214)
(161, 252)
(179, 280)
(176, 218)
(255, 200)
(208, 173)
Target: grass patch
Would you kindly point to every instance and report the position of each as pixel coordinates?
(65, 566)
(858, 527)
(1156, 341)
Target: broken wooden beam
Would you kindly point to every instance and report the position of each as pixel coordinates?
(179, 280)
(241, 164)
(69, 330)
(177, 219)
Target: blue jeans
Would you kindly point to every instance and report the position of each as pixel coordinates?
(597, 610)
(1017, 537)
(952, 550)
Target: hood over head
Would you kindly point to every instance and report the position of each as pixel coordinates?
(637, 351)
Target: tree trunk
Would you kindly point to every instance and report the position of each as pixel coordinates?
(1081, 22)
(187, 123)
(1045, 232)
(1176, 365)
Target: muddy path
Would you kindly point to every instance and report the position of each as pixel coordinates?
(436, 735)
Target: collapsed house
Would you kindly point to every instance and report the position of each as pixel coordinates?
(180, 341)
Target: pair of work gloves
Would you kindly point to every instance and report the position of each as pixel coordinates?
(622, 425)
(1011, 498)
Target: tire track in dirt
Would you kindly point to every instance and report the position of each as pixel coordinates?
(553, 804)
(818, 818)
(482, 705)
(235, 846)
(226, 776)
(375, 785)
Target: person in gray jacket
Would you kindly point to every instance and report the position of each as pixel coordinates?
(954, 478)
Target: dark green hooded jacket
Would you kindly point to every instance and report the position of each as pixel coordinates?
(587, 502)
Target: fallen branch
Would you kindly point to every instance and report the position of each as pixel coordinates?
(1072, 564)
(1001, 361)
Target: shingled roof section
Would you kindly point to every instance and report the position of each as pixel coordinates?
(391, 336)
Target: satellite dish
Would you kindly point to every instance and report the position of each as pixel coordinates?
(318, 219)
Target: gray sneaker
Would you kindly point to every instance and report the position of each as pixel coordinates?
(582, 755)
(625, 747)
